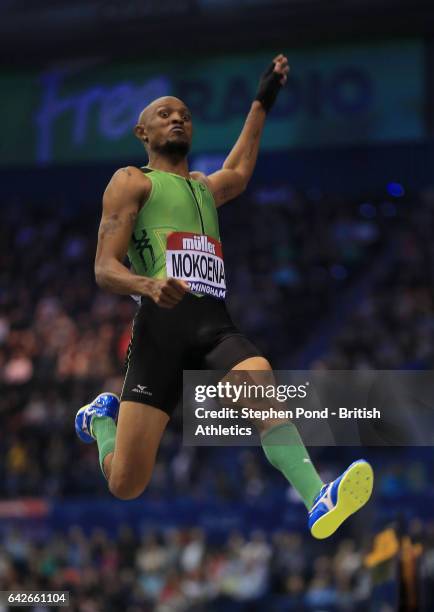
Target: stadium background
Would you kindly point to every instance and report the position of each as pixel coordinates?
(330, 262)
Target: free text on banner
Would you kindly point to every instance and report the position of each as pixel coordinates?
(351, 94)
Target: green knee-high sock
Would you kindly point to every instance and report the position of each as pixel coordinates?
(104, 430)
(285, 450)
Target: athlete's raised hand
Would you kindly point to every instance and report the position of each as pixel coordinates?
(272, 80)
(237, 170)
(168, 292)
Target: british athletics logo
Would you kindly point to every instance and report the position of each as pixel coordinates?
(197, 259)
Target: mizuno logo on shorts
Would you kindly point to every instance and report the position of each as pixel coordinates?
(141, 389)
(197, 259)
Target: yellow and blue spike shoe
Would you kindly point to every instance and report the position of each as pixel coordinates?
(339, 499)
(105, 405)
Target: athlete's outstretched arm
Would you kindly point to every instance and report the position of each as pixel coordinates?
(121, 204)
(238, 167)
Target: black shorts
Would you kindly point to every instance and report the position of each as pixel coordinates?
(196, 334)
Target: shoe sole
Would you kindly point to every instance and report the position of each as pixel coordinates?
(354, 491)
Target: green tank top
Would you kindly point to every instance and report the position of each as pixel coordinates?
(175, 204)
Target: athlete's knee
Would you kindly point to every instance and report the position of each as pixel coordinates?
(256, 363)
(126, 486)
(122, 489)
(263, 364)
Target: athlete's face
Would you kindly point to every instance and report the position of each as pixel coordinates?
(167, 127)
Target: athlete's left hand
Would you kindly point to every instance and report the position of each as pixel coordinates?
(166, 292)
(272, 81)
(281, 67)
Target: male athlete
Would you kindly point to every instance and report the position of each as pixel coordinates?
(162, 215)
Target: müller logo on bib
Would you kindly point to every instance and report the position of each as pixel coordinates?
(197, 259)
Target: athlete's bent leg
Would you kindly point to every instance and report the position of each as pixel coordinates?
(127, 450)
(330, 504)
(139, 430)
(280, 439)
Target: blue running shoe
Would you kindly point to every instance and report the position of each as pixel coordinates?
(106, 404)
(339, 499)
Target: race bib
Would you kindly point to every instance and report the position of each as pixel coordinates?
(198, 260)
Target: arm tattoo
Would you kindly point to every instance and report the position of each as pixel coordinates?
(110, 227)
(114, 222)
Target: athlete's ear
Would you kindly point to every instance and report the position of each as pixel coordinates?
(140, 132)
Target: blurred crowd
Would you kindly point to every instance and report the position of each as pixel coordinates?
(181, 570)
(393, 325)
(290, 255)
